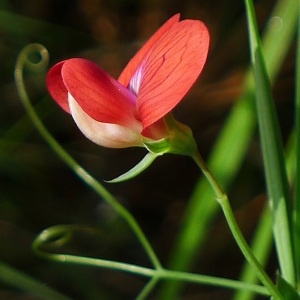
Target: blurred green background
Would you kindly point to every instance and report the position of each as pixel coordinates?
(37, 190)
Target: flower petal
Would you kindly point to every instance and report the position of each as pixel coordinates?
(56, 86)
(102, 97)
(170, 69)
(103, 134)
(131, 67)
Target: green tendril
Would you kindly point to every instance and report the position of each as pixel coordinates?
(58, 236)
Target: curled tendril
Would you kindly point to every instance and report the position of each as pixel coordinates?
(54, 237)
(27, 58)
(60, 235)
(35, 57)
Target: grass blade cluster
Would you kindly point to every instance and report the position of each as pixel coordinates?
(273, 154)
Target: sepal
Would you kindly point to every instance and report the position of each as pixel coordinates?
(157, 146)
(179, 140)
(139, 168)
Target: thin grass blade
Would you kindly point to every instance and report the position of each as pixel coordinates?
(273, 154)
(297, 157)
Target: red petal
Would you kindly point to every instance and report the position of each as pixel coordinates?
(102, 97)
(131, 67)
(56, 86)
(171, 67)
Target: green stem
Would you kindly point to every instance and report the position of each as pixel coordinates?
(148, 288)
(58, 235)
(222, 199)
(213, 281)
(261, 274)
(209, 176)
(261, 246)
(73, 165)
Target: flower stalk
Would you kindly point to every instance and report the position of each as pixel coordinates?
(222, 199)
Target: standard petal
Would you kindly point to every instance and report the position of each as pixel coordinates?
(103, 134)
(171, 67)
(56, 86)
(102, 97)
(132, 66)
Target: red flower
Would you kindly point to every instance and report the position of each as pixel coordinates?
(125, 112)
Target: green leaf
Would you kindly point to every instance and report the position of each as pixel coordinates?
(297, 154)
(287, 291)
(272, 150)
(139, 168)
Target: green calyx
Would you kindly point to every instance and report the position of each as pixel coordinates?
(180, 139)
